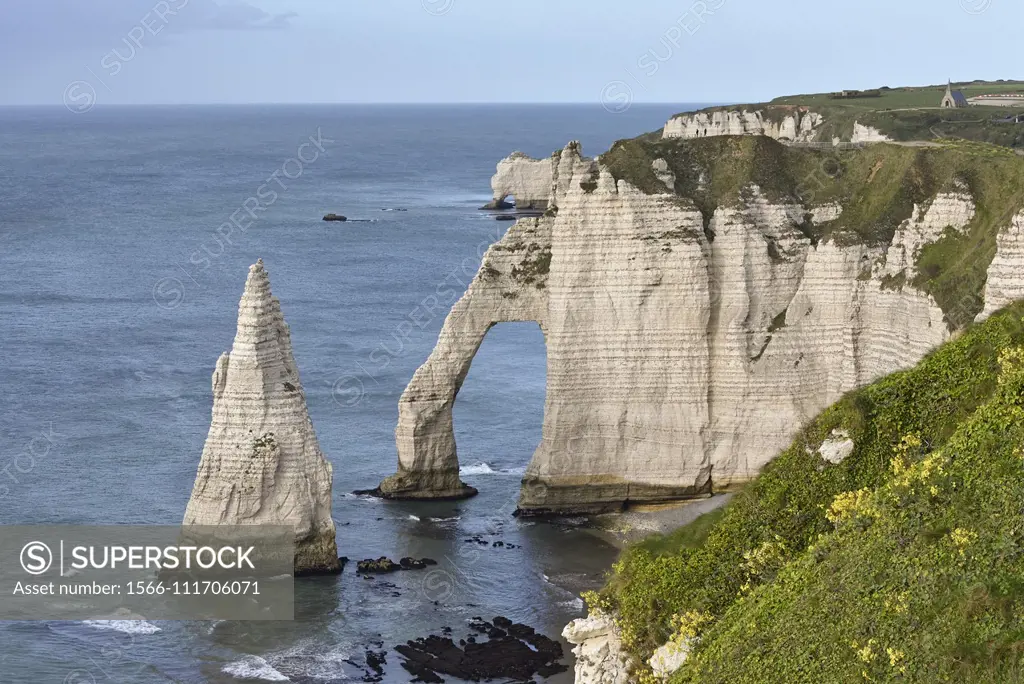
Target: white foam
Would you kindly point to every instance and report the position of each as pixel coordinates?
(575, 605)
(254, 667)
(485, 469)
(126, 626)
(414, 517)
(313, 660)
(369, 498)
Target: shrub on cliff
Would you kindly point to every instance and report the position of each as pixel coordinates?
(754, 574)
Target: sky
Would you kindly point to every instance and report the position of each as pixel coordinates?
(405, 51)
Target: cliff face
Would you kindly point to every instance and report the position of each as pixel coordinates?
(797, 125)
(789, 124)
(261, 464)
(691, 332)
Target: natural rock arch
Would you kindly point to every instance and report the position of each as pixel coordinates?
(505, 290)
(671, 355)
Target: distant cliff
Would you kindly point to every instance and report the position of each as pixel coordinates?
(785, 123)
(701, 299)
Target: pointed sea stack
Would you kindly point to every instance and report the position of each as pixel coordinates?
(261, 464)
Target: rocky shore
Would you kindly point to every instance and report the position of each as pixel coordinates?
(499, 649)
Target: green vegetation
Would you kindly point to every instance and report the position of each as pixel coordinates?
(911, 548)
(904, 98)
(906, 114)
(877, 186)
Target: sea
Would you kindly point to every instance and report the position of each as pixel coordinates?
(121, 268)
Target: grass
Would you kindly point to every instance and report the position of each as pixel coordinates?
(897, 98)
(690, 536)
(708, 568)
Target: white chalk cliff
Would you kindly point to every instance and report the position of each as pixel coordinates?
(796, 125)
(1005, 283)
(676, 363)
(789, 124)
(262, 464)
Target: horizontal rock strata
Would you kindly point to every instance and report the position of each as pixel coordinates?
(790, 124)
(797, 125)
(261, 464)
(678, 363)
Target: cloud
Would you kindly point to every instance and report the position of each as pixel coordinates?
(230, 16)
(41, 28)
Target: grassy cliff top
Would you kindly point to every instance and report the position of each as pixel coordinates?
(905, 114)
(878, 187)
(901, 563)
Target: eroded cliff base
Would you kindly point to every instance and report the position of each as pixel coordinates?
(317, 555)
(434, 485)
(594, 495)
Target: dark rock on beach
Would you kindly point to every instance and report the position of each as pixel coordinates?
(511, 651)
(335, 217)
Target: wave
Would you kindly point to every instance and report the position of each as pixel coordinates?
(485, 469)
(126, 626)
(369, 498)
(254, 667)
(575, 605)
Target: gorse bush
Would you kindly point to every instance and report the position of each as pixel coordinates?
(815, 570)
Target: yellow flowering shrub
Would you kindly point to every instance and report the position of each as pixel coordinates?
(596, 602)
(688, 626)
(962, 538)
(1011, 362)
(851, 507)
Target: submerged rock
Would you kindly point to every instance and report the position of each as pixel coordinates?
(385, 565)
(261, 464)
(380, 565)
(335, 217)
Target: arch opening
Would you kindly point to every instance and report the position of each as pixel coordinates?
(498, 412)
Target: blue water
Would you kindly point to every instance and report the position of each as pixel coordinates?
(119, 289)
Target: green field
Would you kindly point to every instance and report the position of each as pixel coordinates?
(903, 98)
